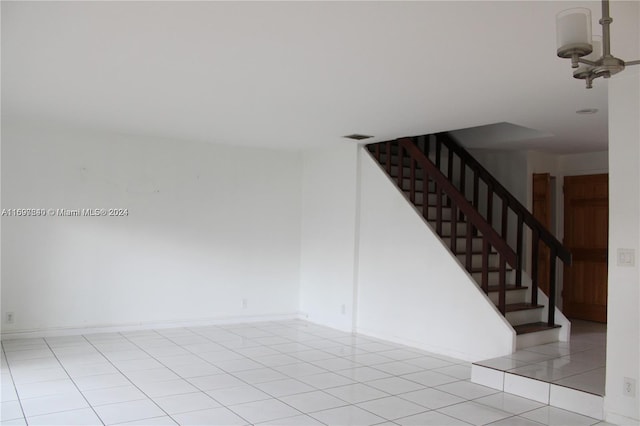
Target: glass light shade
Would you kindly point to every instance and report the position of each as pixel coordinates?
(595, 54)
(573, 32)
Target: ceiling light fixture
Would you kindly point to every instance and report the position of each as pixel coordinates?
(573, 36)
(587, 111)
(357, 136)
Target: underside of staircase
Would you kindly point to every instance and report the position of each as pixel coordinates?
(472, 214)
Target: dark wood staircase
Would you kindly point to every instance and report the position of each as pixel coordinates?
(473, 215)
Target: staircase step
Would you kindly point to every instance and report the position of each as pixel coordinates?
(492, 270)
(406, 173)
(461, 227)
(432, 198)
(461, 243)
(394, 160)
(523, 313)
(444, 158)
(433, 211)
(538, 338)
(533, 327)
(406, 186)
(514, 307)
(476, 259)
(494, 276)
(513, 294)
(508, 287)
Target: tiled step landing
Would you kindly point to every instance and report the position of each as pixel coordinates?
(564, 375)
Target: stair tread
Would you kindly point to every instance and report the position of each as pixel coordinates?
(430, 205)
(475, 252)
(514, 307)
(418, 192)
(533, 327)
(491, 269)
(508, 287)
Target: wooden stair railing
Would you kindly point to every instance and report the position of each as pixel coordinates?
(452, 183)
(508, 202)
(459, 206)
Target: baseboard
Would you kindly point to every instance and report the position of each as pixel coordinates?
(115, 328)
(330, 324)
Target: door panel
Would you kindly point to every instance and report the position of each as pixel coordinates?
(586, 224)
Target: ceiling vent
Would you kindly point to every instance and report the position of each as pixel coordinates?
(357, 137)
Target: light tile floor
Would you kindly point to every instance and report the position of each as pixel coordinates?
(577, 364)
(275, 373)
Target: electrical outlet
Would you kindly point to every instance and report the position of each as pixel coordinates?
(344, 309)
(629, 387)
(245, 303)
(10, 318)
(626, 257)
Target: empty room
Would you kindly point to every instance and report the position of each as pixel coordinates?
(320, 213)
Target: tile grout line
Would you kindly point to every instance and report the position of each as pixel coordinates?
(128, 379)
(247, 383)
(15, 389)
(72, 381)
(268, 335)
(323, 390)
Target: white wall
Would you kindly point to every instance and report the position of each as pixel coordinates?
(328, 245)
(410, 288)
(623, 351)
(207, 226)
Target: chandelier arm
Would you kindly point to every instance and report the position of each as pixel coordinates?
(587, 62)
(606, 34)
(632, 62)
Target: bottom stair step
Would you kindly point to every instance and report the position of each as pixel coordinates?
(533, 327)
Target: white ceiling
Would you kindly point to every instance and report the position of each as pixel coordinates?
(302, 74)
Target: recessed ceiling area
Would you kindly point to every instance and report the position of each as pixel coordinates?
(503, 136)
(296, 75)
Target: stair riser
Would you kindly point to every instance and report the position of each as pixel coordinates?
(406, 171)
(524, 317)
(444, 160)
(432, 213)
(419, 198)
(461, 228)
(476, 244)
(494, 277)
(539, 338)
(514, 296)
(476, 260)
(406, 186)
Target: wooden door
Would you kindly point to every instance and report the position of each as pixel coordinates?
(542, 211)
(586, 227)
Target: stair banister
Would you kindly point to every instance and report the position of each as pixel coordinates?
(442, 180)
(458, 201)
(539, 232)
(497, 188)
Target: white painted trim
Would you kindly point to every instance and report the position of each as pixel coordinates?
(486, 376)
(356, 246)
(580, 402)
(617, 419)
(115, 328)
